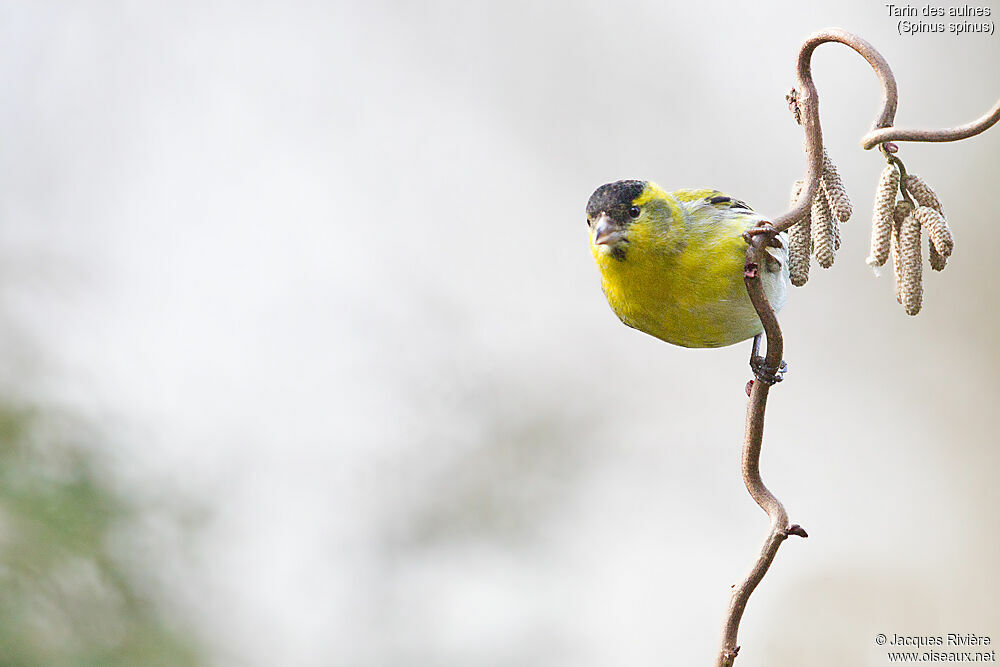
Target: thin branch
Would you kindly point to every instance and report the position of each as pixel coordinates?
(882, 130)
(882, 135)
(759, 238)
(753, 440)
(808, 102)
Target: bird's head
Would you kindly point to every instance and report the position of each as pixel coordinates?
(613, 211)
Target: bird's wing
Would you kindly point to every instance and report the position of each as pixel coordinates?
(714, 208)
(714, 198)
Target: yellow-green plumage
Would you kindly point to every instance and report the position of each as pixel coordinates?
(676, 269)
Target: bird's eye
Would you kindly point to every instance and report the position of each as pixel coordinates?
(588, 221)
(633, 212)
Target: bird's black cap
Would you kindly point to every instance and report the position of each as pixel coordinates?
(615, 199)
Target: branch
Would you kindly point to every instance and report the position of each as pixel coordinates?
(880, 136)
(808, 115)
(780, 530)
(808, 102)
(882, 131)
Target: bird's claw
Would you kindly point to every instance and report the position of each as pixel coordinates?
(763, 227)
(767, 374)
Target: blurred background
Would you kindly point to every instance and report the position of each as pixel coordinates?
(306, 361)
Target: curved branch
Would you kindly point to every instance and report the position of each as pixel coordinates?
(884, 134)
(808, 102)
(882, 129)
(753, 440)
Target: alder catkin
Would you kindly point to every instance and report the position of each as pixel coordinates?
(796, 193)
(793, 105)
(833, 189)
(822, 231)
(940, 242)
(901, 211)
(922, 192)
(882, 216)
(798, 244)
(937, 260)
(912, 290)
(937, 229)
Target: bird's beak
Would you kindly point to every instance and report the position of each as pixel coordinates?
(605, 231)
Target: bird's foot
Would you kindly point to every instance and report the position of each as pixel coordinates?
(767, 374)
(762, 371)
(763, 227)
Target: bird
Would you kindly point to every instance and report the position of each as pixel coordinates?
(672, 264)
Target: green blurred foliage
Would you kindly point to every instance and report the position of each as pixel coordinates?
(64, 600)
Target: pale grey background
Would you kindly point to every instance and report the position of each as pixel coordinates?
(321, 268)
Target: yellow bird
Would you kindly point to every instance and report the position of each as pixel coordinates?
(672, 263)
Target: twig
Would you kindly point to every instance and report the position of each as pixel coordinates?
(882, 129)
(780, 530)
(880, 136)
(808, 101)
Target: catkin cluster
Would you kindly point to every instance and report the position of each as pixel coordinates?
(818, 232)
(897, 228)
